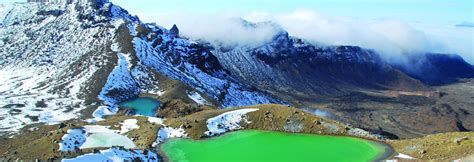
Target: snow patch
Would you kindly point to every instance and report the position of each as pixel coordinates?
(94, 136)
(91, 129)
(117, 154)
(169, 132)
(196, 97)
(4, 11)
(403, 156)
(155, 120)
(158, 92)
(227, 121)
(102, 111)
(128, 125)
(107, 139)
(72, 140)
(24, 100)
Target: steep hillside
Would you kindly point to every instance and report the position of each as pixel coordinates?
(294, 68)
(61, 60)
(438, 69)
(438, 147)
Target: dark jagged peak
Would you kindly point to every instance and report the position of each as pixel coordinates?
(282, 40)
(281, 45)
(174, 31)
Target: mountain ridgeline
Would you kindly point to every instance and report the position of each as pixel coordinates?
(83, 58)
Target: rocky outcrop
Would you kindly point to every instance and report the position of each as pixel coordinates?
(174, 31)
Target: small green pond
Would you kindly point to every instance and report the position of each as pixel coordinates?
(142, 106)
(262, 146)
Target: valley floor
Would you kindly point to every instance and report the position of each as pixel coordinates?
(43, 141)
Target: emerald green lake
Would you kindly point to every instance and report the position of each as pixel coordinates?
(142, 106)
(262, 146)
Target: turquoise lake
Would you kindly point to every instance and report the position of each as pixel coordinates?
(142, 106)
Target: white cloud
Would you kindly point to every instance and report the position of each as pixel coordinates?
(391, 38)
(222, 28)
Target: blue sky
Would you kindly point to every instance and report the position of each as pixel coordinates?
(426, 11)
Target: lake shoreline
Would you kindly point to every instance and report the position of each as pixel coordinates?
(150, 108)
(389, 151)
(386, 150)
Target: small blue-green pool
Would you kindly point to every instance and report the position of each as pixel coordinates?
(142, 106)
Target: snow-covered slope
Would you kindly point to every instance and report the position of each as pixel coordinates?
(187, 61)
(57, 59)
(47, 55)
(228, 121)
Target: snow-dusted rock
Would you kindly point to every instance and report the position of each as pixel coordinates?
(120, 84)
(72, 140)
(227, 121)
(174, 58)
(169, 132)
(196, 97)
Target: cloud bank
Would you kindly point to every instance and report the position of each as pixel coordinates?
(391, 38)
(226, 29)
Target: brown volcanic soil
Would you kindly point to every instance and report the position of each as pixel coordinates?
(43, 142)
(35, 144)
(406, 114)
(439, 147)
(268, 117)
